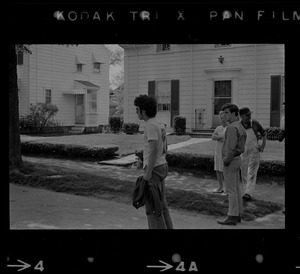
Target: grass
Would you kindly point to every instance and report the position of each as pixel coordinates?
(274, 150)
(86, 184)
(128, 144)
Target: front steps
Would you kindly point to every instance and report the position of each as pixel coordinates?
(202, 133)
(77, 129)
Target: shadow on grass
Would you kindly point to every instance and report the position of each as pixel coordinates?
(86, 184)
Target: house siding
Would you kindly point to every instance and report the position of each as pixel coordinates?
(249, 66)
(23, 85)
(54, 67)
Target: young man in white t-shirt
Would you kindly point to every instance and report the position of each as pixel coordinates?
(154, 157)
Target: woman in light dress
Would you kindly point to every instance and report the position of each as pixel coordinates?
(218, 136)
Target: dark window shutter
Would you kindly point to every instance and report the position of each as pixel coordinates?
(151, 88)
(174, 99)
(275, 100)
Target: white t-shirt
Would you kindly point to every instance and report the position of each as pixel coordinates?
(155, 131)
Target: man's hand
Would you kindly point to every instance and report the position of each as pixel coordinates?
(225, 163)
(261, 148)
(147, 177)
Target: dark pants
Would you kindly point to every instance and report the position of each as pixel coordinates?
(163, 221)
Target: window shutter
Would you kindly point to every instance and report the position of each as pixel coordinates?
(275, 100)
(174, 99)
(151, 88)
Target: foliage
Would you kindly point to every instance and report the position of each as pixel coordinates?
(40, 115)
(273, 133)
(130, 128)
(115, 123)
(276, 168)
(206, 162)
(117, 98)
(116, 54)
(179, 124)
(70, 151)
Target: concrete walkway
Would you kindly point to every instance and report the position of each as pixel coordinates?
(130, 159)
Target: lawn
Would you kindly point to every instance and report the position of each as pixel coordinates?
(274, 150)
(127, 144)
(94, 185)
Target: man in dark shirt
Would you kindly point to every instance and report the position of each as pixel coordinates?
(251, 156)
(233, 147)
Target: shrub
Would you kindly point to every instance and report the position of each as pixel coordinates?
(273, 132)
(206, 162)
(179, 124)
(40, 115)
(115, 123)
(71, 151)
(130, 128)
(191, 161)
(276, 168)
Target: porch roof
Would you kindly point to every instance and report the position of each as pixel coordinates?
(85, 84)
(80, 87)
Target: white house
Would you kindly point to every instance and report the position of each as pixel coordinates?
(75, 78)
(195, 80)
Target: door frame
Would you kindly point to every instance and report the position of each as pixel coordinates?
(215, 116)
(83, 105)
(220, 74)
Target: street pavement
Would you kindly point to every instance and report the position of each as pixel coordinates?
(32, 208)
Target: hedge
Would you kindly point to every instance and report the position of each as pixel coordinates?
(206, 162)
(98, 153)
(130, 128)
(179, 125)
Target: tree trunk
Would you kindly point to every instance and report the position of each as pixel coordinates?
(15, 158)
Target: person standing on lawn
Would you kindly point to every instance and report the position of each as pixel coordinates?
(251, 156)
(154, 156)
(218, 136)
(233, 147)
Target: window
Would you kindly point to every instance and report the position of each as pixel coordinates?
(20, 58)
(96, 67)
(92, 101)
(222, 45)
(163, 95)
(163, 48)
(79, 67)
(48, 96)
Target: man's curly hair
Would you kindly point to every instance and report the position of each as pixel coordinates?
(146, 103)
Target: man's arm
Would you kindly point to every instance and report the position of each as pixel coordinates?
(153, 144)
(264, 137)
(263, 145)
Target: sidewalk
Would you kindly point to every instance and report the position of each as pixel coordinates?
(36, 208)
(130, 159)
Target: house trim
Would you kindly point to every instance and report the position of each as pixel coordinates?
(220, 74)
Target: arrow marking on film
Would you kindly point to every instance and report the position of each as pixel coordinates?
(166, 266)
(23, 265)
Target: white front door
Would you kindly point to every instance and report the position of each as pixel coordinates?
(79, 109)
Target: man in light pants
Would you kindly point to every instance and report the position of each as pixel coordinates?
(251, 156)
